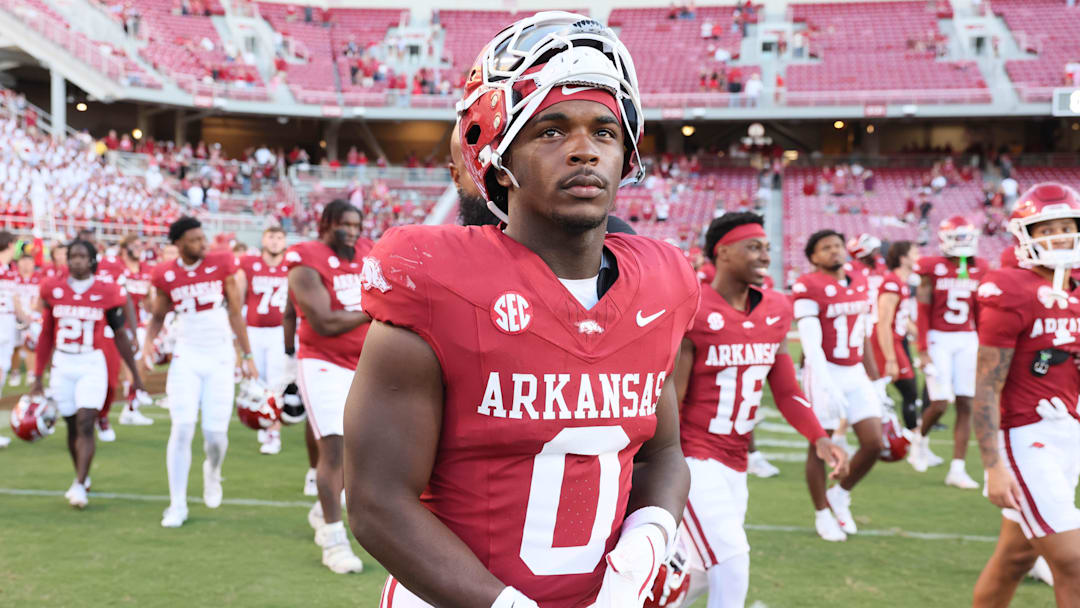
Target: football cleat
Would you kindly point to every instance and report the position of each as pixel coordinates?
(315, 518)
(77, 496)
(337, 555)
(828, 528)
(257, 406)
(4, 441)
(840, 503)
(105, 433)
(212, 491)
(272, 445)
(311, 487)
(757, 465)
(932, 459)
(958, 478)
(33, 418)
(133, 417)
(15, 380)
(292, 406)
(174, 517)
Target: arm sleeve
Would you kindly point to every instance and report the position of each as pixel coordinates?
(45, 342)
(790, 400)
(810, 336)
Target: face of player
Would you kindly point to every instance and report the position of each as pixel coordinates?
(568, 161)
(192, 245)
(829, 254)
(747, 259)
(1051, 228)
(274, 243)
(79, 263)
(169, 253)
(59, 256)
(346, 231)
(908, 261)
(134, 250)
(26, 265)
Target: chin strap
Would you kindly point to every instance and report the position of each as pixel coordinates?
(1061, 275)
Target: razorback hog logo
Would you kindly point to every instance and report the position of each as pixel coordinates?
(510, 313)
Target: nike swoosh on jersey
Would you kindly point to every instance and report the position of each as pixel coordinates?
(771, 320)
(642, 321)
(211, 269)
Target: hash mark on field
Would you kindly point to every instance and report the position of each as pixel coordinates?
(243, 502)
(255, 502)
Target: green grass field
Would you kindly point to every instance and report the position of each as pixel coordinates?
(920, 544)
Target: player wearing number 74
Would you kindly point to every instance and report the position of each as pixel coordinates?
(511, 436)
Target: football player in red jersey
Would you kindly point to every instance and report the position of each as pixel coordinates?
(11, 310)
(894, 320)
(136, 280)
(79, 315)
(947, 342)
(57, 265)
(525, 405)
(832, 308)
(201, 288)
(324, 285)
(265, 282)
(27, 286)
(1025, 412)
(738, 340)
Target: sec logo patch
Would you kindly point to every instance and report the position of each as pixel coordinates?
(510, 313)
(715, 321)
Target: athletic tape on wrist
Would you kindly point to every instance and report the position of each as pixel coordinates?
(512, 598)
(658, 516)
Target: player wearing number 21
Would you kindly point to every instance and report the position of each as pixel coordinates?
(832, 310)
(737, 342)
(512, 435)
(202, 289)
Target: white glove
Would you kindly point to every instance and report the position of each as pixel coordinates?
(512, 598)
(881, 386)
(631, 567)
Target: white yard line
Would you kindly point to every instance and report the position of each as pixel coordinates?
(296, 504)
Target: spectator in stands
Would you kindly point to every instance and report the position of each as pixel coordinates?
(1009, 191)
(112, 141)
(753, 89)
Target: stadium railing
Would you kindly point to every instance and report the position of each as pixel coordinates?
(882, 97)
(415, 175)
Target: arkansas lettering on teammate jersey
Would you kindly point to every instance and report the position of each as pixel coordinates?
(198, 297)
(342, 280)
(80, 321)
(267, 291)
(1018, 310)
(734, 352)
(546, 403)
(841, 309)
(952, 307)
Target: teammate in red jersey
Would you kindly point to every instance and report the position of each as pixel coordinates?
(948, 343)
(520, 408)
(11, 312)
(324, 285)
(265, 281)
(1025, 412)
(27, 288)
(57, 265)
(832, 308)
(738, 340)
(866, 260)
(894, 320)
(79, 315)
(136, 278)
(202, 289)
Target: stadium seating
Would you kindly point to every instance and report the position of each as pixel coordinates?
(880, 215)
(1051, 31)
(878, 53)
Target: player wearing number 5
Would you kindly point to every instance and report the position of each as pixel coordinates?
(512, 434)
(948, 344)
(79, 316)
(201, 288)
(324, 284)
(737, 342)
(265, 282)
(832, 309)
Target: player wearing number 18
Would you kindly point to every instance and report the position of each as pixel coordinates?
(202, 289)
(265, 281)
(511, 434)
(738, 340)
(80, 314)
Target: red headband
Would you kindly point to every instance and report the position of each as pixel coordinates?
(753, 230)
(568, 92)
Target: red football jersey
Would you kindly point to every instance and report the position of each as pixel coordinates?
(874, 278)
(267, 291)
(137, 283)
(546, 403)
(842, 309)
(111, 269)
(80, 324)
(198, 297)
(27, 289)
(893, 284)
(952, 305)
(341, 278)
(734, 352)
(1017, 310)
